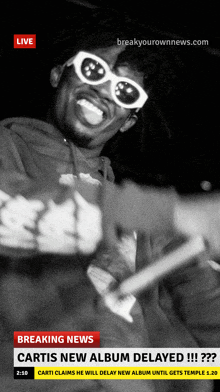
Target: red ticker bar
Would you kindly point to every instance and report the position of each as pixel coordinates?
(56, 339)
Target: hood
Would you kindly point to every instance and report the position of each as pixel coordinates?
(48, 141)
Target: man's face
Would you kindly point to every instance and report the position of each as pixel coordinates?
(87, 113)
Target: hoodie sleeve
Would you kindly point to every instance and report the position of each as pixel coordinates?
(10, 158)
(196, 292)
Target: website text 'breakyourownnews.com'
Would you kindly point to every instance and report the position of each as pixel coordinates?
(163, 42)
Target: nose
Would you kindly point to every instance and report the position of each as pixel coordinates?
(104, 90)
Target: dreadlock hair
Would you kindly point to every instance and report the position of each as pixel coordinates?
(104, 28)
(162, 66)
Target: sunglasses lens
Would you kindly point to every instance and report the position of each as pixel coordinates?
(126, 93)
(92, 70)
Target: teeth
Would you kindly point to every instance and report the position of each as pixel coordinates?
(90, 106)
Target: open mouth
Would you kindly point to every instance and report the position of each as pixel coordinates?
(91, 113)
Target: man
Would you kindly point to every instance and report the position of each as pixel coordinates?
(97, 92)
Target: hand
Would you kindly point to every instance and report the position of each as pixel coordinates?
(152, 210)
(132, 207)
(200, 214)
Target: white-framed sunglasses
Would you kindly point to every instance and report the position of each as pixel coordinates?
(93, 70)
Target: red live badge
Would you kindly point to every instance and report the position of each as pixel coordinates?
(25, 41)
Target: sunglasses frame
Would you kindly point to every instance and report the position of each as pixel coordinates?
(109, 75)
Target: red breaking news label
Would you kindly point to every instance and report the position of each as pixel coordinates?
(56, 339)
(25, 41)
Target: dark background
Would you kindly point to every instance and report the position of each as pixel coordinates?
(177, 142)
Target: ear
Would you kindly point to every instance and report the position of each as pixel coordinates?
(129, 122)
(55, 75)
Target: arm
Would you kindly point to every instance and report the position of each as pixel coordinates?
(196, 294)
(154, 210)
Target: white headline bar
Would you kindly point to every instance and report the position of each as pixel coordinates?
(134, 357)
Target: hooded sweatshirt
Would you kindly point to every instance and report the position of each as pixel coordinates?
(38, 150)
